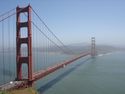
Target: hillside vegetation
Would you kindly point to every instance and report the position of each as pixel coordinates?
(20, 91)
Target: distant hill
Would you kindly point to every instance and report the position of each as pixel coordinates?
(79, 48)
(75, 48)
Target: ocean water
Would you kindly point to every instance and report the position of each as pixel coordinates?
(104, 74)
(40, 61)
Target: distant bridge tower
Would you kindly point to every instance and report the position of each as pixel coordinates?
(20, 39)
(93, 47)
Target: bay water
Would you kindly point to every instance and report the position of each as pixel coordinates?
(104, 74)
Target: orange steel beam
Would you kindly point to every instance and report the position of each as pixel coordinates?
(43, 73)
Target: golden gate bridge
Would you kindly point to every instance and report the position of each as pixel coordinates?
(26, 39)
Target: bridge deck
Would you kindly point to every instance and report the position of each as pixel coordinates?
(43, 73)
(13, 85)
(40, 74)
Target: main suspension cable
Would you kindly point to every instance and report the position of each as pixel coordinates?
(47, 37)
(51, 30)
(7, 12)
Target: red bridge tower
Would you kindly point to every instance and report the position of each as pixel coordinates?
(20, 59)
(93, 49)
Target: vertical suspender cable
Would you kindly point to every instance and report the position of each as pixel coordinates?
(33, 38)
(37, 50)
(3, 51)
(9, 52)
(47, 55)
(13, 54)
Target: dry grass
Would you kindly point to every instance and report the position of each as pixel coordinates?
(21, 91)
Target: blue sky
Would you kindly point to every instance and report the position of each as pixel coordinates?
(76, 21)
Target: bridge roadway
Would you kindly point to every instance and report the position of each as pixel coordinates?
(40, 74)
(43, 73)
(13, 85)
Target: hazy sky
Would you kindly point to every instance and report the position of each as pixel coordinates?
(75, 21)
